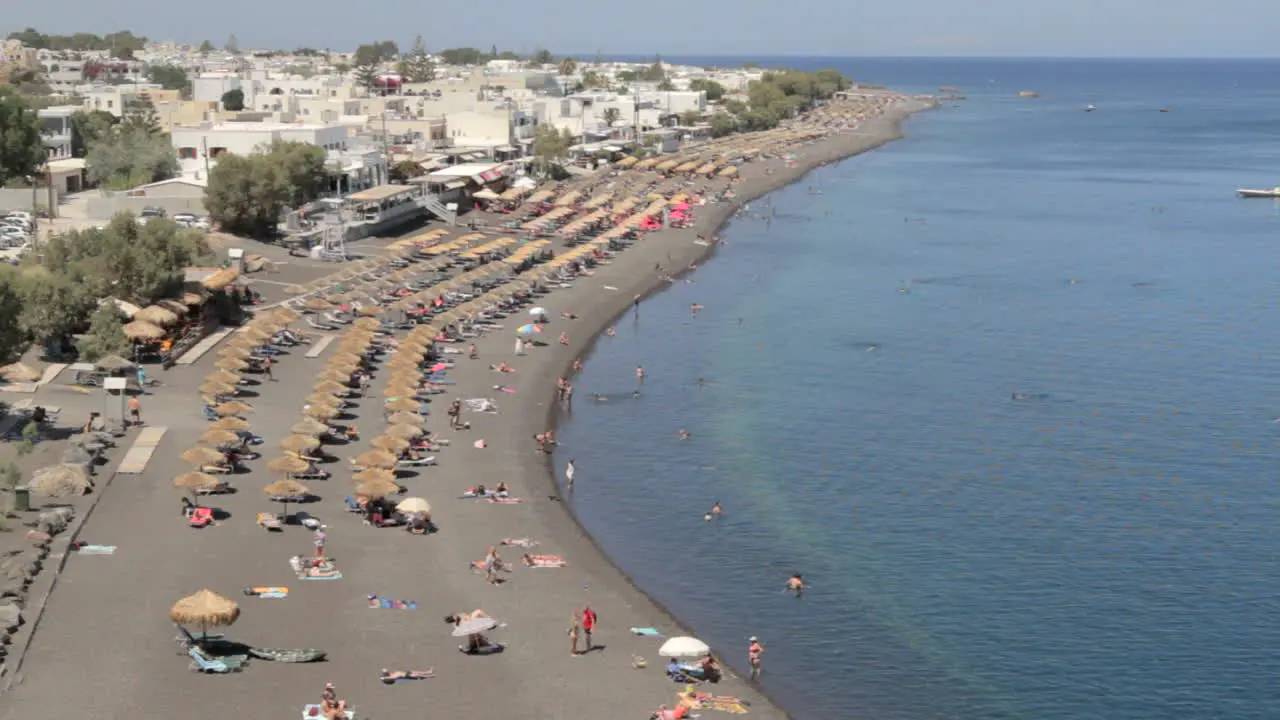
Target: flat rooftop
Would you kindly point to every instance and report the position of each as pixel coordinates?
(381, 192)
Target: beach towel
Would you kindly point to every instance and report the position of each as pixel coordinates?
(97, 550)
(381, 603)
(323, 577)
(647, 632)
(273, 591)
(722, 703)
(505, 501)
(311, 711)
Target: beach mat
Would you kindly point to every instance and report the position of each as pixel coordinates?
(646, 632)
(381, 603)
(97, 550)
(325, 577)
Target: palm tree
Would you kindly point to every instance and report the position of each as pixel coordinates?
(568, 66)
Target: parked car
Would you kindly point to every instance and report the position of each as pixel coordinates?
(20, 214)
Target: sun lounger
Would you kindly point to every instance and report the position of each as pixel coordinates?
(221, 665)
(270, 521)
(646, 632)
(96, 549)
(352, 505)
(418, 462)
(201, 517)
(489, 649)
(187, 640)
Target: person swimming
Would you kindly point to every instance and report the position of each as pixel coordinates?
(796, 584)
(685, 434)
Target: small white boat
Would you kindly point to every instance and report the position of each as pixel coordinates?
(1089, 108)
(1247, 193)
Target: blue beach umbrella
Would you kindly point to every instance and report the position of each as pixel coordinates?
(528, 329)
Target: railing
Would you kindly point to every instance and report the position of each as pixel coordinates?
(431, 203)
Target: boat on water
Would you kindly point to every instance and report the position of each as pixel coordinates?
(1248, 193)
(1089, 108)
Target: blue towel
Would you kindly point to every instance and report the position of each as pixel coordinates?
(647, 632)
(389, 604)
(97, 549)
(324, 577)
(274, 595)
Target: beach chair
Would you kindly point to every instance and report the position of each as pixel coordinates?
(222, 665)
(419, 462)
(187, 640)
(312, 473)
(318, 325)
(352, 505)
(270, 522)
(201, 517)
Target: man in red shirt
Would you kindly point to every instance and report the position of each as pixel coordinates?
(588, 625)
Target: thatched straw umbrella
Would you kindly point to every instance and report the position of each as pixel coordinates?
(405, 432)
(194, 482)
(192, 298)
(201, 455)
(113, 362)
(376, 459)
(369, 311)
(217, 388)
(231, 364)
(403, 404)
(237, 352)
(321, 412)
(57, 481)
(307, 426)
(398, 388)
(142, 330)
(156, 315)
(375, 475)
(346, 358)
(288, 464)
(174, 307)
(366, 323)
(344, 363)
(223, 376)
(232, 423)
(205, 608)
(256, 334)
(338, 376)
(285, 315)
(390, 443)
(216, 437)
(235, 407)
(285, 490)
(323, 400)
(21, 372)
(375, 490)
(404, 418)
(300, 443)
(317, 304)
(331, 387)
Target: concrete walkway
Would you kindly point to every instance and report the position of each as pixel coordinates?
(198, 351)
(135, 461)
(319, 346)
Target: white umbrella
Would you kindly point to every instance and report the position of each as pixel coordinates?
(537, 311)
(474, 626)
(678, 647)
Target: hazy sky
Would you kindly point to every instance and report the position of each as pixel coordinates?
(1145, 28)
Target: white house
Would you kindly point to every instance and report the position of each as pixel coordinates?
(56, 124)
(198, 147)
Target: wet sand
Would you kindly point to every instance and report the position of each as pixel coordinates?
(105, 645)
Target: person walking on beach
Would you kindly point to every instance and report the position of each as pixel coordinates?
(568, 474)
(519, 346)
(471, 351)
(589, 619)
(266, 369)
(574, 628)
(135, 410)
(318, 540)
(455, 414)
(560, 386)
(755, 653)
(142, 380)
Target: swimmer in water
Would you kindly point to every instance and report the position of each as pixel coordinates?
(796, 584)
(685, 435)
(700, 382)
(598, 397)
(635, 394)
(715, 509)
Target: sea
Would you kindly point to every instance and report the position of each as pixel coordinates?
(1004, 392)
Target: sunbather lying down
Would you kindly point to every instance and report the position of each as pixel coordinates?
(541, 561)
(391, 676)
(483, 566)
(502, 367)
(519, 542)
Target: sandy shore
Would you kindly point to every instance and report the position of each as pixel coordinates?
(104, 646)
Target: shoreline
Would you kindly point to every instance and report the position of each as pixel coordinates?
(834, 149)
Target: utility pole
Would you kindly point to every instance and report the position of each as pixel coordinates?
(205, 142)
(386, 150)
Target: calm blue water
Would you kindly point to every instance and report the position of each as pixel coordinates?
(1103, 550)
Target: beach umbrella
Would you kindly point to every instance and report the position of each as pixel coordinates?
(285, 315)
(231, 364)
(256, 334)
(307, 426)
(232, 423)
(315, 303)
(235, 407)
(113, 362)
(474, 626)
(319, 398)
(537, 311)
(374, 475)
(346, 358)
(377, 489)
(329, 387)
(414, 505)
(321, 412)
(404, 418)
(142, 330)
(367, 323)
(284, 491)
(338, 376)
(77, 455)
(196, 481)
(235, 352)
(21, 372)
(59, 481)
(216, 437)
(204, 608)
(369, 310)
(400, 389)
(300, 443)
(288, 464)
(406, 432)
(403, 404)
(201, 455)
(345, 363)
(390, 443)
(684, 647)
(224, 376)
(528, 329)
(156, 315)
(376, 459)
(217, 388)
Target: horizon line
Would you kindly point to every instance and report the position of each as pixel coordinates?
(740, 56)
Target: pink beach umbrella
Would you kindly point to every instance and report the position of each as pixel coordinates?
(681, 206)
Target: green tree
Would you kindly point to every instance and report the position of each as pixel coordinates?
(89, 128)
(714, 90)
(170, 77)
(21, 144)
(550, 146)
(593, 79)
(666, 85)
(689, 118)
(365, 76)
(493, 52)
(206, 47)
(418, 67)
(232, 46)
(140, 114)
(131, 154)
(377, 53)
(233, 100)
(462, 56)
(13, 338)
(53, 305)
(611, 115)
(542, 56)
(568, 66)
(248, 194)
(723, 124)
(655, 72)
(105, 335)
